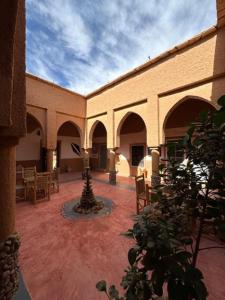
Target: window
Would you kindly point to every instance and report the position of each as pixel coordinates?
(137, 155)
(175, 151)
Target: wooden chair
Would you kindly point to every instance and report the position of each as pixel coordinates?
(55, 180)
(141, 197)
(42, 185)
(149, 193)
(28, 175)
(20, 189)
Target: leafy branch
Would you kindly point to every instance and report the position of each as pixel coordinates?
(163, 261)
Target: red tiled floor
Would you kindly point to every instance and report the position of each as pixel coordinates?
(100, 176)
(63, 259)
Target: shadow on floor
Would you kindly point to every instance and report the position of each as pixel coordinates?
(22, 293)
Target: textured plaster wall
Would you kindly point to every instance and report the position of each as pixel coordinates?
(123, 165)
(12, 115)
(12, 69)
(194, 69)
(53, 106)
(99, 140)
(202, 61)
(221, 12)
(173, 133)
(29, 147)
(40, 116)
(66, 149)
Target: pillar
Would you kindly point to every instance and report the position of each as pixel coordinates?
(86, 161)
(86, 157)
(12, 126)
(112, 166)
(220, 4)
(49, 160)
(9, 240)
(155, 178)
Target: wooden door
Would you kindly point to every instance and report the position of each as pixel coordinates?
(102, 157)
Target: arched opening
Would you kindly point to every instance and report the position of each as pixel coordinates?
(131, 154)
(30, 151)
(68, 155)
(179, 118)
(98, 159)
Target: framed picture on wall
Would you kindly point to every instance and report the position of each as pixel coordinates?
(76, 149)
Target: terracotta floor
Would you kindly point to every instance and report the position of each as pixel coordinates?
(99, 176)
(63, 260)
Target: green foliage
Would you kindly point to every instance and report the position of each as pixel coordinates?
(163, 259)
(101, 286)
(111, 292)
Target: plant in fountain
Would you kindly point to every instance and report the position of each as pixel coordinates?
(88, 203)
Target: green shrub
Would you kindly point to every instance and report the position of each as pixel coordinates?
(164, 258)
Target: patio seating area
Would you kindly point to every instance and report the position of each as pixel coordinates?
(118, 90)
(63, 259)
(36, 186)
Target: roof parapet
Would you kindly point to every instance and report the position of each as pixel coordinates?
(53, 84)
(155, 60)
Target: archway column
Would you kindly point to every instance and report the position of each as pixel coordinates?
(12, 126)
(9, 240)
(155, 178)
(112, 166)
(49, 158)
(86, 157)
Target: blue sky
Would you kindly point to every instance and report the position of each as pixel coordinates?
(83, 44)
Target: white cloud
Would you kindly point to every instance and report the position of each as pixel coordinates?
(84, 44)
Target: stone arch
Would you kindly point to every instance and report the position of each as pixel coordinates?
(93, 127)
(98, 140)
(176, 122)
(185, 99)
(68, 154)
(131, 154)
(78, 124)
(40, 116)
(36, 120)
(30, 149)
(71, 122)
(121, 122)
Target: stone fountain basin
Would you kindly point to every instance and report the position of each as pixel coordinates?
(68, 212)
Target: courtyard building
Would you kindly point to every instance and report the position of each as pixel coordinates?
(119, 130)
(117, 126)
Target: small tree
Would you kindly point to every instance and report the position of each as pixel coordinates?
(88, 204)
(163, 260)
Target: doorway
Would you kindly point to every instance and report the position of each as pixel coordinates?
(102, 157)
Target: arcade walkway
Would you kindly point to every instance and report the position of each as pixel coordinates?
(62, 259)
(125, 182)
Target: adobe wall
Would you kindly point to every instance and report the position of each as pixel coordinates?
(29, 147)
(68, 159)
(12, 127)
(220, 12)
(192, 70)
(52, 105)
(123, 161)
